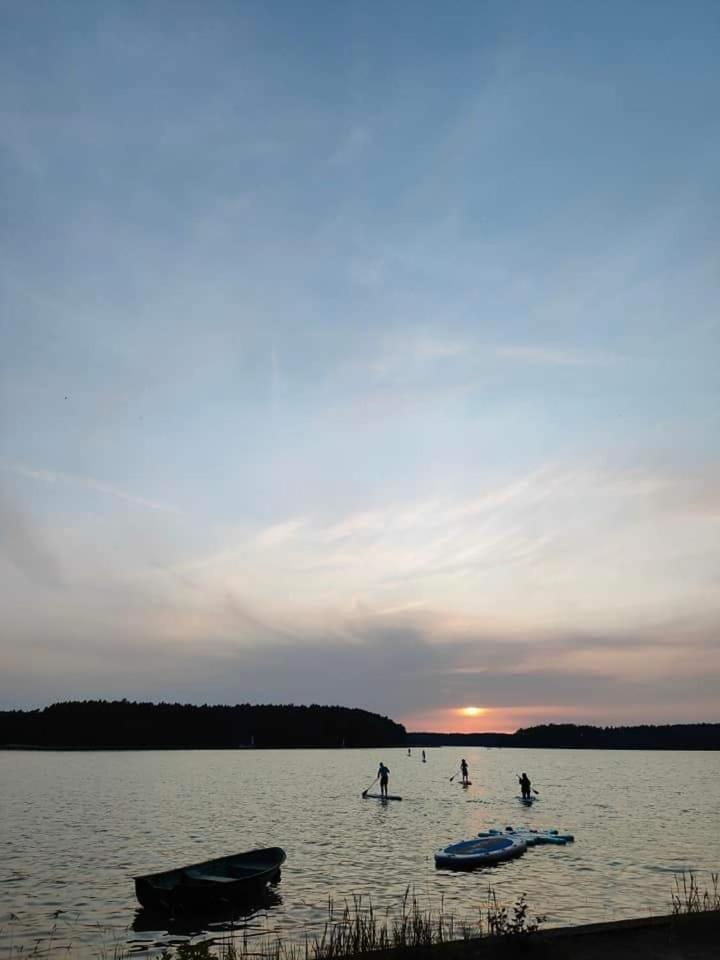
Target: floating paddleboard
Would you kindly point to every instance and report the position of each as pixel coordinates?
(379, 796)
(528, 801)
(468, 783)
(532, 837)
(482, 851)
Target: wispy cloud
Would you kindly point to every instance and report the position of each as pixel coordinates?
(552, 356)
(280, 533)
(23, 544)
(544, 548)
(76, 480)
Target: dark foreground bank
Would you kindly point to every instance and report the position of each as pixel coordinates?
(687, 937)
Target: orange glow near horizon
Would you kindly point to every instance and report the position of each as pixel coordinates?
(472, 711)
(473, 719)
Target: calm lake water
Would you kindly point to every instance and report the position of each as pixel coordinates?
(76, 827)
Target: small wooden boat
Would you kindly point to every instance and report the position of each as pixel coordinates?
(212, 883)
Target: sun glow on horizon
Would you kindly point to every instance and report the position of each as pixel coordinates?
(472, 711)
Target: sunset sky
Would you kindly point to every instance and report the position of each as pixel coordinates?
(362, 353)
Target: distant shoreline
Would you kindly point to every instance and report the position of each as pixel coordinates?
(129, 725)
(149, 748)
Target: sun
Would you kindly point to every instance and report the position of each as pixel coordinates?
(473, 711)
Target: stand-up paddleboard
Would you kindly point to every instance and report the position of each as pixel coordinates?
(528, 801)
(468, 783)
(379, 796)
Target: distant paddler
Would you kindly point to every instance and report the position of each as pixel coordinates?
(525, 786)
(383, 774)
(464, 771)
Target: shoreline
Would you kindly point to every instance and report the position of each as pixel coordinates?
(694, 936)
(100, 748)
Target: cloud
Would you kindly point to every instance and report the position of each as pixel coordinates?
(548, 546)
(405, 664)
(551, 356)
(57, 477)
(22, 544)
(280, 533)
(572, 586)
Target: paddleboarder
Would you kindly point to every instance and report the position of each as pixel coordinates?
(464, 771)
(383, 773)
(525, 786)
(423, 756)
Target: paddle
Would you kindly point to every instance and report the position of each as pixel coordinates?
(365, 792)
(453, 776)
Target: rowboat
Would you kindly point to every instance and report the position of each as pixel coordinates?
(211, 883)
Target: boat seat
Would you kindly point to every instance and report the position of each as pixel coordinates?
(214, 877)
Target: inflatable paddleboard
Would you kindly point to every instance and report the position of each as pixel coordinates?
(480, 852)
(468, 783)
(532, 837)
(379, 796)
(528, 801)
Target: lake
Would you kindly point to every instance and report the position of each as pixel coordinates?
(75, 827)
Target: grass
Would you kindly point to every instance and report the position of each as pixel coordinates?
(356, 929)
(687, 898)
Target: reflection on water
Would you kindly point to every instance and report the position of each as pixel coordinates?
(237, 918)
(75, 828)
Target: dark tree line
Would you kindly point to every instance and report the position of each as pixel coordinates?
(679, 736)
(123, 723)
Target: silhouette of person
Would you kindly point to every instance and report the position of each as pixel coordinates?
(524, 782)
(383, 773)
(464, 771)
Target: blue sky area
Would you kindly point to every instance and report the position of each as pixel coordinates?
(362, 353)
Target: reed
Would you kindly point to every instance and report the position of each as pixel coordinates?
(357, 929)
(687, 897)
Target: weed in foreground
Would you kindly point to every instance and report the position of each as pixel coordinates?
(687, 897)
(348, 932)
(513, 923)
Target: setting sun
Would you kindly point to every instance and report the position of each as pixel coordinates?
(473, 711)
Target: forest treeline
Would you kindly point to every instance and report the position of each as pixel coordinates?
(679, 736)
(126, 724)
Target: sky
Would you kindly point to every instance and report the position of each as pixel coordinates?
(362, 353)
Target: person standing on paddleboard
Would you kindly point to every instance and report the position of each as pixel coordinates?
(464, 771)
(525, 785)
(383, 773)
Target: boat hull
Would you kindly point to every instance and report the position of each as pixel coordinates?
(211, 883)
